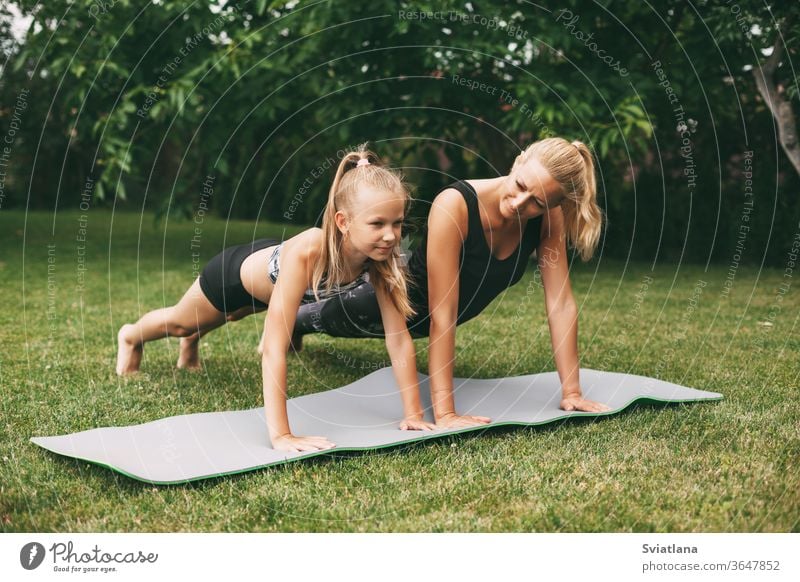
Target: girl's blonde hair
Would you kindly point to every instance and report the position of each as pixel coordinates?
(572, 166)
(388, 276)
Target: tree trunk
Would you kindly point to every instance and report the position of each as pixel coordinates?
(780, 107)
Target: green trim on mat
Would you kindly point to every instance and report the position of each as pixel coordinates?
(411, 440)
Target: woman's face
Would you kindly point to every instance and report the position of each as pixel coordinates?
(530, 191)
(374, 224)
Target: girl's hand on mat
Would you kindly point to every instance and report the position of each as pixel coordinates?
(297, 444)
(454, 420)
(416, 424)
(578, 403)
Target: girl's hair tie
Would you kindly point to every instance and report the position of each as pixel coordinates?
(363, 162)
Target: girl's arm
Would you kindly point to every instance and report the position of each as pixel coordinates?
(447, 229)
(562, 311)
(296, 257)
(404, 363)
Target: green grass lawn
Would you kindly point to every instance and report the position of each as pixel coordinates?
(730, 465)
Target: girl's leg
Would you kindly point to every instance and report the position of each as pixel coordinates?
(189, 356)
(193, 314)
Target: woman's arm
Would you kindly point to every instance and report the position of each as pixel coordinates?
(297, 256)
(404, 363)
(447, 229)
(562, 311)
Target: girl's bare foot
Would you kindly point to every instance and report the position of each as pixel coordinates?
(189, 357)
(129, 354)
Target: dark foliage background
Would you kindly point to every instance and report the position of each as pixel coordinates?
(146, 100)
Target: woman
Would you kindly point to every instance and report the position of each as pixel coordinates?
(476, 244)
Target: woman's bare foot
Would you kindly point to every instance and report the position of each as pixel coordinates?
(129, 354)
(189, 357)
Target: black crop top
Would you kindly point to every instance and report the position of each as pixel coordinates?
(482, 277)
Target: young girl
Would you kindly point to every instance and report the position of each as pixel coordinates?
(358, 242)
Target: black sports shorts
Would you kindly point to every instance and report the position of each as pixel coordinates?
(220, 279)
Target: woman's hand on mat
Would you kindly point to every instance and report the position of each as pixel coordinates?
(415, 423)
(578, 403)
(297, 444)
(454, 420)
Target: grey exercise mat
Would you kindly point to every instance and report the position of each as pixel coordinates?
(362, 415)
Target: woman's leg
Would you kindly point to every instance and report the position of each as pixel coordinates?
(354, 314)
(193, 314)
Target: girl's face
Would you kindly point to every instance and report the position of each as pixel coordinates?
(373, 226)
(530, 191)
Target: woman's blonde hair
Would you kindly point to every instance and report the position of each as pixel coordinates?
(572, 166)
(387, 276)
